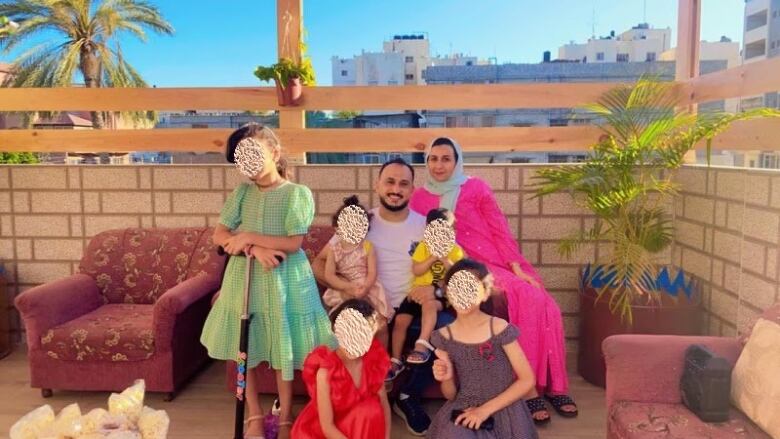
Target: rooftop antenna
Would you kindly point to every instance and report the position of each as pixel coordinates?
(593, 22)
(644, 14)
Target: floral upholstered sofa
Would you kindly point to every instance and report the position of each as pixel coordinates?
(135, 310)
(643, 388)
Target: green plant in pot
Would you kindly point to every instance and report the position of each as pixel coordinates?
(290, 77)
(7, 26)
(627, 183)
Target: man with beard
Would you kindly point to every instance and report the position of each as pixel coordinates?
(395, 232)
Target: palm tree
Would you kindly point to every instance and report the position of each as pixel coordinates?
(79, 35)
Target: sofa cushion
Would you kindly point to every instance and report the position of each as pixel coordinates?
(114, 332)
(772, 314)
(642, 420)
(139, 265)
(316, 239)
(205, 259)
(755, 382)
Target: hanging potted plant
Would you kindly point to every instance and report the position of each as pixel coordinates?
(290, 77)
(627, 183)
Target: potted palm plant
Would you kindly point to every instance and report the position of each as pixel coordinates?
(627, 182)
(290, 77)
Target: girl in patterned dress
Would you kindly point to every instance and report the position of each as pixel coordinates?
(269, 218)
(480, 365)
(350, 267)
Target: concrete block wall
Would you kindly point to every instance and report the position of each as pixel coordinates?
(727, 223)
(728, 233)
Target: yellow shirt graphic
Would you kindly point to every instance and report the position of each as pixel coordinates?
(437, 271)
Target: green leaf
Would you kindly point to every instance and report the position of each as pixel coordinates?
(627, 180)
(77, 31)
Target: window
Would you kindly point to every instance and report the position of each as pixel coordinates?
(755, 49)
(469, 63)
(200, 125)
(410, 76)
(343, 73)
(599, 56)
(488, 121)
(559, 122)
(565, 158)
(754, 21)
(409, 59)
(451, 121)
(371, 158)
(622, 57)
(751, 103)
(650, 57)
(769, 161)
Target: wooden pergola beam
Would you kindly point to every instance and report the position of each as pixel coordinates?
(687, 52)
(289, 21)
(746, 135)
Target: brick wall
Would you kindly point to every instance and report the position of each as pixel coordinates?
(728, 225)
(48, 214)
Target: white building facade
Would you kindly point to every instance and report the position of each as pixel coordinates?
(761, 41)
(401, 62)
(638, 44)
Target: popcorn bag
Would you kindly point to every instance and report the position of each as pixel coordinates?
(126, 418)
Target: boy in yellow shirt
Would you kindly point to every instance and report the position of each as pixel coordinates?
(428, 270)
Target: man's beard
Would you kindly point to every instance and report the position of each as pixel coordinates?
(392, 208)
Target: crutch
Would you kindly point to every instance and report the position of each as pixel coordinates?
(243, 356)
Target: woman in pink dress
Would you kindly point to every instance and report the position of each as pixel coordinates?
(483, 231)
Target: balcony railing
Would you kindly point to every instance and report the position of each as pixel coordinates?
(755, 78)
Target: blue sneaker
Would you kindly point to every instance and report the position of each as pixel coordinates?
(413, 414)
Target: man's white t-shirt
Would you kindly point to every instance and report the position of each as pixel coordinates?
(394, 243)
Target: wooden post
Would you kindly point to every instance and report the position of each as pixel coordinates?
(687, 52)
(289, 18)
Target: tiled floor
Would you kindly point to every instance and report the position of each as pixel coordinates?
(205, 409)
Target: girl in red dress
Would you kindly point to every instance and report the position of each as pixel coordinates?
(346, 385)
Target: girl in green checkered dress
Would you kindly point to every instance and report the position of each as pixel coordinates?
(269, 218)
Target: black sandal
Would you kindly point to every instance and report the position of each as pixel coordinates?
(536, 405)
(558, 401)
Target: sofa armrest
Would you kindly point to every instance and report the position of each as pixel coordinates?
(176, 301)
(647, 368)
(55, 303)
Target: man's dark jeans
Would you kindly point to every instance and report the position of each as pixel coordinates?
(421, 376)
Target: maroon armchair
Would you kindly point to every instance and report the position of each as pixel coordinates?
(643, 388)
(135, 310)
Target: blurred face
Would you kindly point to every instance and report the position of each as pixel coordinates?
(269, 165)
(352, 224)
(394, 187)
(441, 162)
(354, 332)
(465, 292)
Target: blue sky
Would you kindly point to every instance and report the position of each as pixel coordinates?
(220, 43)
